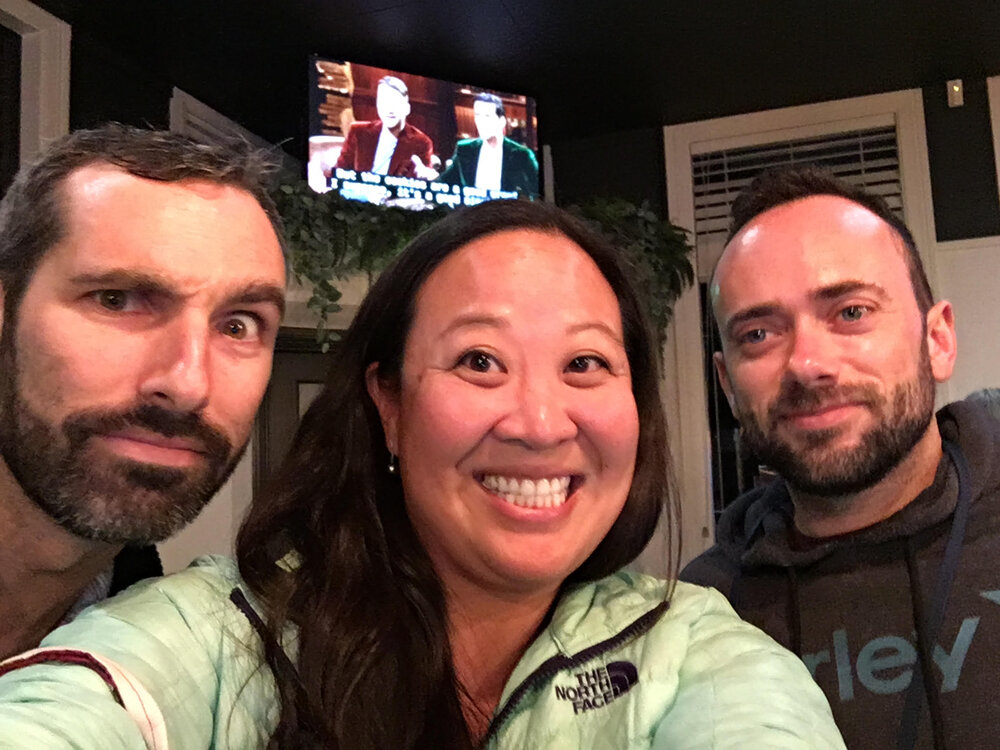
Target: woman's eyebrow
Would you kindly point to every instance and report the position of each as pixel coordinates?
(599, 326)
(476, 319)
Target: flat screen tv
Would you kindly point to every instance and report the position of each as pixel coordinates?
(398, 139)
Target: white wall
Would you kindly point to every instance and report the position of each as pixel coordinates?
(968, 274)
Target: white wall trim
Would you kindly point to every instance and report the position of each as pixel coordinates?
(685, 393)
(45, 43)
(993, 96)
(969, 269)
(976, 244)
(548, 176)
(195, 119)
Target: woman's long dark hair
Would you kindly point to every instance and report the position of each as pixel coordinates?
(374, 667)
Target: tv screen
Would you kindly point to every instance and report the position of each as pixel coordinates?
(398, 139)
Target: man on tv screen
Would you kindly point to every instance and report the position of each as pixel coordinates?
(387, 145)
(492, 161)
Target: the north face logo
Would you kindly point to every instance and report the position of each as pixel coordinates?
(596, 688)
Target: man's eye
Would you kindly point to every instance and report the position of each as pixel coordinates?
(116, 300)
(756, 336)
(241, 326)
(852, 313)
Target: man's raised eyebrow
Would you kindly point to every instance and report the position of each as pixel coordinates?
(151, 283)
(261, 291)
(845, 288)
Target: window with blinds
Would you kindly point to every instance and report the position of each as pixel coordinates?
(198, 121)
(869, 158)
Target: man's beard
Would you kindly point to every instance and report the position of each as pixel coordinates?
(92, 493)
(812, 465)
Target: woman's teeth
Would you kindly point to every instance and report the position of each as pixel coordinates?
(529, 493)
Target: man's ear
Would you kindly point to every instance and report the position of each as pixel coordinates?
(720, 369)
(942, 341)
(387, 402)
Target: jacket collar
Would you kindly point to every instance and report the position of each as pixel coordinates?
(588, 615)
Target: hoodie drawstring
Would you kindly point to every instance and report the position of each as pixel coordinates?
(928, 631)
(794, 612)
(924, 651)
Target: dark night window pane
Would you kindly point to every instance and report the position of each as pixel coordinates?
(10, 105)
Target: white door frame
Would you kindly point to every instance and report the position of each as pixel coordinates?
(45, 42)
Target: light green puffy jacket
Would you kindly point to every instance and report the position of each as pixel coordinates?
(173, 664)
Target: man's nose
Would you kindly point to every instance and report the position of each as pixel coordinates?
(177, 371)
(814, 355)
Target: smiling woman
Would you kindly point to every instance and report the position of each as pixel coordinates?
(438, 563)
(515, 375)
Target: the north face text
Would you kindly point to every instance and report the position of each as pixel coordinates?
(598, 687)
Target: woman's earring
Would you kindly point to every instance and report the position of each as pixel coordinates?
(392, 464)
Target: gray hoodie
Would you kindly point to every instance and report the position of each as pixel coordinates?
(855, 607)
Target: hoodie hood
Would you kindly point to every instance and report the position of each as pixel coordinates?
(898, 622)
(753, 531)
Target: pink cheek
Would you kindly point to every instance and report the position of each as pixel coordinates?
(45, 367)
(868, 355)
(757, 380)
(443, 417)
(613, 422)
(240, 387)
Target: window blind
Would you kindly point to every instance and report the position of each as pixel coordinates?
(869, 158)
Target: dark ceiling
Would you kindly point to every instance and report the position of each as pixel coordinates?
(594, 66)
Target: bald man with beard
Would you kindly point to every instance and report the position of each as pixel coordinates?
(873, 554)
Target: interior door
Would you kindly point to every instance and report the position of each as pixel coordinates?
(297, 377)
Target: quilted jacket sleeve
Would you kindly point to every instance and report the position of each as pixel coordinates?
(737, 688)
(160, 666)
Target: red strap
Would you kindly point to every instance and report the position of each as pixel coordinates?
(65, 656)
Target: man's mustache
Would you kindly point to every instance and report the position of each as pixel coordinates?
(795, 397)
(151, 418)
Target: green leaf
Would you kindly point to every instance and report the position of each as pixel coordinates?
(657, 252)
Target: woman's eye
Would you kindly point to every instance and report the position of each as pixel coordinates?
(116, 300)
(586, 363)
(242, 326)
(479, 361)
(852, 313)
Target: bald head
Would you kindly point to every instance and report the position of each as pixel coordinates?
(829, 237)
(787, 185)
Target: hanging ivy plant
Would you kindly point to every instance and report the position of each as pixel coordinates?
(332, 238)
(658, 251)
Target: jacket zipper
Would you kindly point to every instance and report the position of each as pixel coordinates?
(555, 664)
